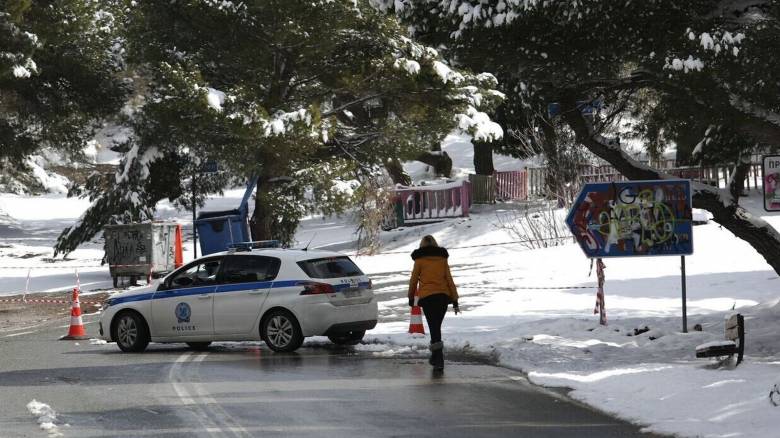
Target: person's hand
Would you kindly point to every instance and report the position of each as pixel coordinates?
(411, 301)
(456, 308)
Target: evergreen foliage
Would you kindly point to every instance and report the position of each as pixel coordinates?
(693, 72)
(59, 75)
(299, 94)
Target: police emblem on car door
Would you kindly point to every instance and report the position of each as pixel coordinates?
(183, 304)
(183, 312)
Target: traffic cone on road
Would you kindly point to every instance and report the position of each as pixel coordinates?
(76, 331)
(416, 323)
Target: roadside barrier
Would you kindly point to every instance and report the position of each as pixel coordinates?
(75, 266)
(45, 301)
(76, 331)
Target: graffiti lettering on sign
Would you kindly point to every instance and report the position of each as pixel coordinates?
(633, 219)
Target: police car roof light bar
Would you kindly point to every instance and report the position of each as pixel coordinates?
(257, 244)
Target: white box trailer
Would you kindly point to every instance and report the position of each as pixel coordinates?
(143, 250)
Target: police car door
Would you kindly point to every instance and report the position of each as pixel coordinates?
(243, 288)
(183, 305)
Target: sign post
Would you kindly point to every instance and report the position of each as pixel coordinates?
(635, 219)
(684, 300)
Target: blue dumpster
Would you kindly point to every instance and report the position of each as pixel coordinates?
(217, 230)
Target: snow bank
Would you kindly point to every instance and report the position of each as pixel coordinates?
(686, 399)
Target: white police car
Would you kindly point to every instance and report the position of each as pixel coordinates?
(278, 295)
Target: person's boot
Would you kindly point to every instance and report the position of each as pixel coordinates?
(437, 355)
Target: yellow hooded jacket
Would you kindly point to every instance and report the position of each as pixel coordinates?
(431, 274)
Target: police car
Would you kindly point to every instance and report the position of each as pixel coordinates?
(279, 296)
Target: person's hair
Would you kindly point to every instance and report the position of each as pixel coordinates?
(428, 241)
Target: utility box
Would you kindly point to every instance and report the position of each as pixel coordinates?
(218, 230)
(145, 250)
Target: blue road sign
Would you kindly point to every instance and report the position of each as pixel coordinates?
(209, 167)
(633, 218)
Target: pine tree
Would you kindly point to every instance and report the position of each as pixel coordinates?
(298, 94)
(698, 73)
(59, 75)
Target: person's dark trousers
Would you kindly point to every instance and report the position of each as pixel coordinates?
(434, 307)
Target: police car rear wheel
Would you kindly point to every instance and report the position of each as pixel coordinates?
(281, 331)
(131, 332)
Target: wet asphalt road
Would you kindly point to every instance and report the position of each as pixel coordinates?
(241, 390)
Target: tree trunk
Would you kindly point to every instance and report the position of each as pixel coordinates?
(554, 177)
(753, 230)
(737, 181)
(397, 173)
(483, 158)
(262, 219)
(440, 161)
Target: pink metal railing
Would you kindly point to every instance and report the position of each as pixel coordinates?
(512, 185)
(434, 202)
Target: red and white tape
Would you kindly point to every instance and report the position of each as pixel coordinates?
(44, 301)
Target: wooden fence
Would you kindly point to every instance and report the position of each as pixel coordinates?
(512, 185)
(423, 203)
(502, 186)
(716, 176)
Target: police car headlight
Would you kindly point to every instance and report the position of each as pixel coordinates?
(108, 303)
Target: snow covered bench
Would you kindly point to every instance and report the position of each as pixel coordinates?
(734, 343)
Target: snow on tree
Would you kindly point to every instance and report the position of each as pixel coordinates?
(59, 76)
(698, 74)
(298, 94)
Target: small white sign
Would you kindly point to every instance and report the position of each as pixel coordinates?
(771, 167)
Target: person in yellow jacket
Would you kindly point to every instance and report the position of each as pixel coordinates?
(432, 280)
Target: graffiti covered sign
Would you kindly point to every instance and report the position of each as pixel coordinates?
(771, 182)
(633, 218)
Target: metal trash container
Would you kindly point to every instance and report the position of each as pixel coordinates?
(145, 250)
(217, 230)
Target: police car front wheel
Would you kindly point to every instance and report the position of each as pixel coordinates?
(281, 331)
(131, 332)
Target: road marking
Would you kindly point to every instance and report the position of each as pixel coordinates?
(216, 410)
(313, 430)
(184, 396)
(23, 328)
(20, 333)
(208, 410)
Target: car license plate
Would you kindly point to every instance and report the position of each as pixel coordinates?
(352, 292)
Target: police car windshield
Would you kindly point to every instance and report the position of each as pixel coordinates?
(330, 267)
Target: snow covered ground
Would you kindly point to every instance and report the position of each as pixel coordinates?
(527, 309)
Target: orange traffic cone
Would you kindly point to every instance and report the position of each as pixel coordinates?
(76, 331)
(178, 258)
(416, 323)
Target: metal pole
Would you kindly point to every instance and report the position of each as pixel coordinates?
(684, 305)
(194, 228)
